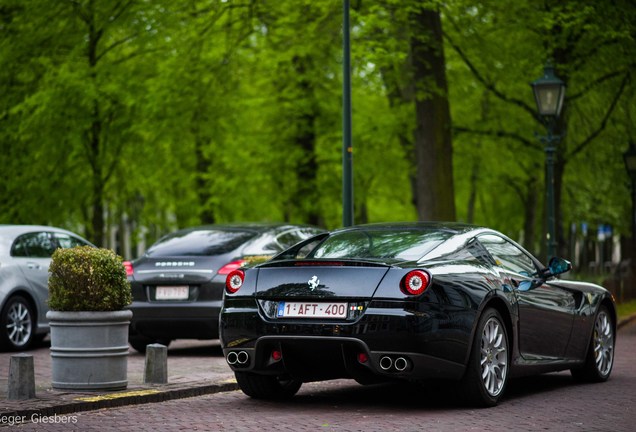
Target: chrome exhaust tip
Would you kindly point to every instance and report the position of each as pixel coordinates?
(401, 364)
(232, 358)
(242, 357)
(385, 363)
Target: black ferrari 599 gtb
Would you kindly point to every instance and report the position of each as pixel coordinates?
(412, 301)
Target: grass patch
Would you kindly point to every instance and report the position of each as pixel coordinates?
(626, 309)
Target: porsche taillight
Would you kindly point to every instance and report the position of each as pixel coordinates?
(230, 267)
(129, 268)
(415, 282)
(234, 281)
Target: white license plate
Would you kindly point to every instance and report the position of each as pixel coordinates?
(312, 310)
(172, 293)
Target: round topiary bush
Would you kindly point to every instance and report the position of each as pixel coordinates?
(85, 278)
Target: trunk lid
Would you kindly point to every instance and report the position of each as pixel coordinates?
(164, 270)
(316, 279)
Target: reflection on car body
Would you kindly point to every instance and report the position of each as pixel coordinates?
(423, 300)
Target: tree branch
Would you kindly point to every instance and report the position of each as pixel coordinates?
(116, 44)
(500, 134)
(601, 127)
(122, 8)
(598, 81)
(488, 85)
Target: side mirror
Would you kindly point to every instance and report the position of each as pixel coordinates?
(558, 266)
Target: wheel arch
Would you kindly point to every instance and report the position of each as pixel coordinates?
(25, 340)
(28, 297)
(501, 306)
(24, 294)
(611, 307)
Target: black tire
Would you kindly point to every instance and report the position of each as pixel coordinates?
(17, 324)
(267, 386)
(486, 375)
(599, 359)
(140, 342)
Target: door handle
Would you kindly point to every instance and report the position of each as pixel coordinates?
(34, 266)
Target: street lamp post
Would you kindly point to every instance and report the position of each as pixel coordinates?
(347, 147)
(549, 92)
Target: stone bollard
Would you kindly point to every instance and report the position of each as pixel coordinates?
(156, 367)
(21, 377)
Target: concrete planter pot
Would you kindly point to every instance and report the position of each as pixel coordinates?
(89, 350)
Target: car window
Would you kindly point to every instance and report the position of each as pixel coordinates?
(274, 242)
(34, 245)
(200, 243)
(66, 241)
(263, 244)
(407, 244)
(471, 251)
(291, 237)
(507, 255)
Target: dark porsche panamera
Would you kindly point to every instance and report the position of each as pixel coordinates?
(177, 285)
(412, 302)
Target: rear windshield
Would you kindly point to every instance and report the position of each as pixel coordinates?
(404, 244)
(199, 243)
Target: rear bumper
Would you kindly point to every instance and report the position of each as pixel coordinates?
(426, 343)
(192, 320)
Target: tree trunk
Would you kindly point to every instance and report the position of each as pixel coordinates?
(530, 212)
(305, 196)
(435, 195)
(472, 196)
(206, 214)
(94, 137)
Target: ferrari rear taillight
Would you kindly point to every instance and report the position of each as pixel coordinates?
(415, 282)
(129, 268)
(234, 281)
(230, 267)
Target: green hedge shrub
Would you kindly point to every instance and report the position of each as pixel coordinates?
(86, 278)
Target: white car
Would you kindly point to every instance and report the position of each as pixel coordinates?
(25, 256)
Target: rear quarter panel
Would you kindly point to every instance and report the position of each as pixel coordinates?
(588, 299)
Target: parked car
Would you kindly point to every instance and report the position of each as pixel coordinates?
(25, 256)
(412, 302)
(178, 283)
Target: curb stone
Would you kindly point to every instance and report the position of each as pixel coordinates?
(622, 323)
(55, 403)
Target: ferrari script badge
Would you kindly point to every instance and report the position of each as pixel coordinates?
(313, 283)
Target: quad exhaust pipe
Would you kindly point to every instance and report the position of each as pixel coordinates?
(386, 363)
(237, 358)
(399, 364)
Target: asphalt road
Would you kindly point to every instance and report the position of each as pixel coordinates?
(551, 402)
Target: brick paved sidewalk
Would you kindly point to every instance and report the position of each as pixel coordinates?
(194, 368)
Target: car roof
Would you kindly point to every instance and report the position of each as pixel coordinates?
(12, 231)
(8, 233)
(256, 227)
(451, 227)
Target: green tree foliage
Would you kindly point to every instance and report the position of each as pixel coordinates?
(157, 114)
(591, 45)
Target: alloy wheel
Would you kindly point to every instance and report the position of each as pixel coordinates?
(19, 324)
(603, 343)
(494, 357)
